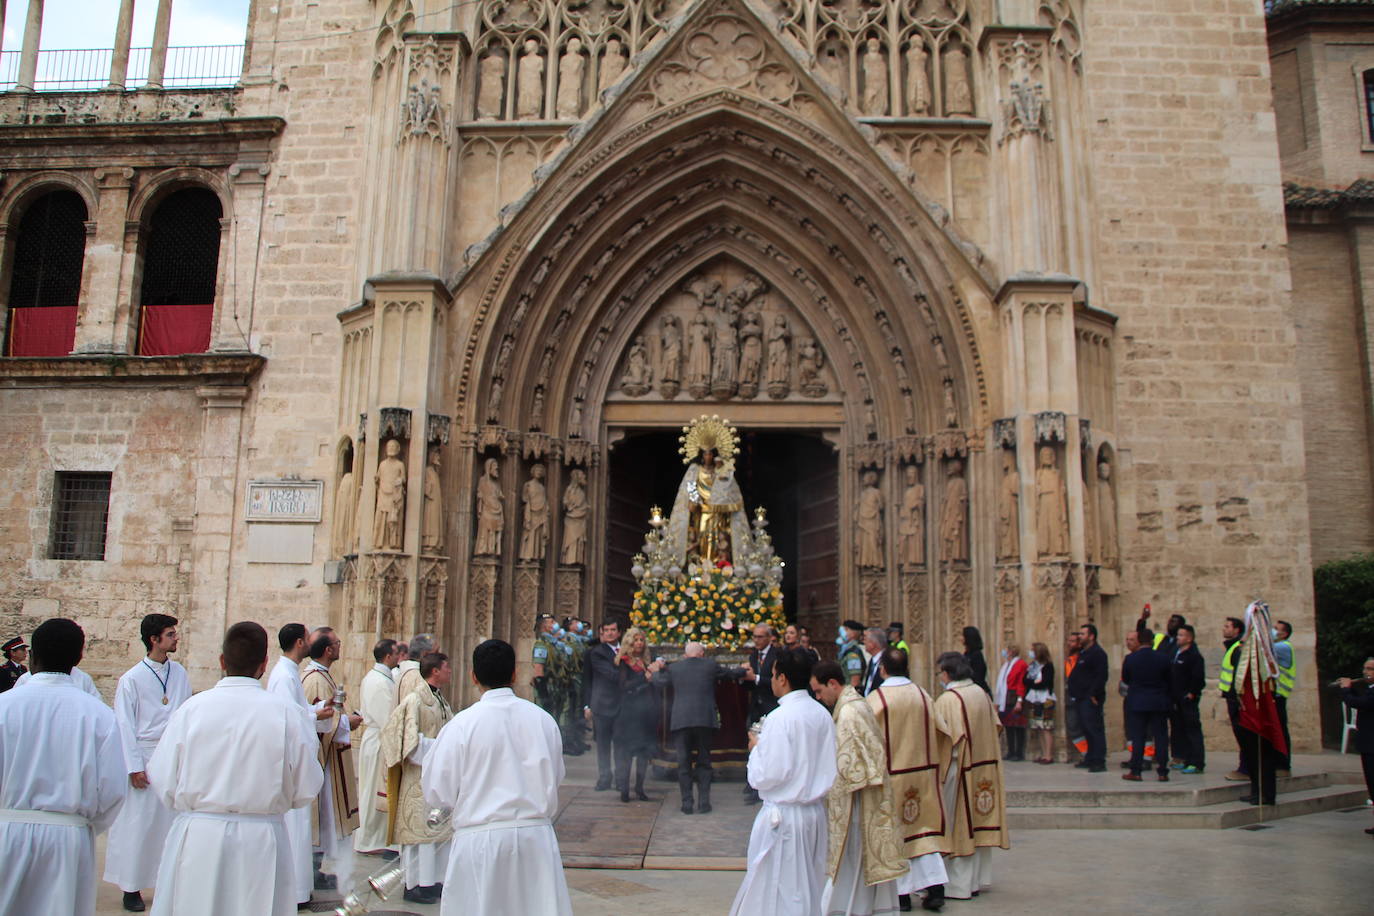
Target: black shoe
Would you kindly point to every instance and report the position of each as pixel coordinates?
(602, 785)
(1098, 768)
(904, 902)
(420, 895)
(639, 794)
(624, 795)
(1250, 799)
(325, 882)
(935, 898)
(1369, 830)
(704, 808)
(687, 807)
(133, 901)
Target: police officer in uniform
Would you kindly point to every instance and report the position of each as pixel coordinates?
(851, 656)
(16, 653)
(549, 667)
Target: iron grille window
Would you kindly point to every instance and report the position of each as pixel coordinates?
(1369, 102)
(80, 513)
(181, 259)
(49, 251)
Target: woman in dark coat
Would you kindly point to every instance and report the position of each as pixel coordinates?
(636, 727)
(973, 654)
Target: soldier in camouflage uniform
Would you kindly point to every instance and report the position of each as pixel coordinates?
(574, 636)
(550, 667)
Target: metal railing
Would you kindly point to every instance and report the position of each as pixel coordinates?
(188, 67)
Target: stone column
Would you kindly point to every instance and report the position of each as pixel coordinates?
(28, 56)
(237, 258)
(157, 60)
(98, 319)
(124, 30)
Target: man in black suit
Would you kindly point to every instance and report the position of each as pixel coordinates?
(1146, 673)
(694, 719)
(1358, 694)
(601, 687)
(875, 641)
(1087, 690)
(762, 700)
(1188, 679)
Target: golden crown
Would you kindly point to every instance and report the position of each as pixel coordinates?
(708, 434)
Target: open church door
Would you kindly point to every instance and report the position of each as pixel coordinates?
(815, 601)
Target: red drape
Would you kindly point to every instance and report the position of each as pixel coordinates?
(170, 330)
(49, 331)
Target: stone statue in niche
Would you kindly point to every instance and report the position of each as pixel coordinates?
(636, 381)
(534, 535)
(809, 363)
(874, 69)
(529, 97)
(1090, 547)
(750, 355)
(699, 356)
(1009, 511)
(491, 511)
(954, 516)
(432, 519)
(1106, 515)
(779, 362)
(911, 541)
(870, 522)
(498, 388)
(951, 410)
(917, 78)
(612, 64)
(670, 368)
(1051, 506)
(572, 69)
(575, 519)
(491, 81)
(388, 518)
(537, 409)
(830, 59)
(345, 515)
(958, 92)
(725, 360)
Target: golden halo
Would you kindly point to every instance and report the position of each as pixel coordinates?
(708, 433)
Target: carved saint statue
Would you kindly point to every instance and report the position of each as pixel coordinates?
(670, 371)
(809, 362)
(954, 516)
(636, 381)
(345, 532)
(529, 98)
(432, 521)
(830, 59)
(612, 64)
(779, 365)
(725, 360)
(951, 409)
(911, 522)
(917, 78)
(1051, 507)
(534, 536)
(491, 511)
(1009, 512)
(699, 356)
(571, 69)
(874, 69)
(388, 519)
(750, 355)
(575, 519)
(958, 92)
(491, 87)
(870, 522)
(1106, 515)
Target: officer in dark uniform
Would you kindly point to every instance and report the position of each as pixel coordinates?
(16, 653)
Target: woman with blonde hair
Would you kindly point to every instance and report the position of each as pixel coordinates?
(1009, 695)
(1040, 699)
(636, 727)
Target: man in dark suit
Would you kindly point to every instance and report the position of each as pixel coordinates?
(1188, 679)
(694, 719)
(1087, 690)
(1146, 674)
(875, 641)
(1358, 694)
(16, 653)
(601, 687)
(762, 700)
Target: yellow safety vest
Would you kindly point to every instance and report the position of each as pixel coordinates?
(1159, 638)
(1228, 668)
(1288, 675)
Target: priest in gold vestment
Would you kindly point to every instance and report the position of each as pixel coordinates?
(971, 775)
(334, 815)
(865, 857)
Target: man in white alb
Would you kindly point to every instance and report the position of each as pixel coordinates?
(232, 761)
(792, 765)
(81, 679)
(147, 695)
(62, 780)
(378, 700)
(497, 765)
(285, 682)
(336, 810)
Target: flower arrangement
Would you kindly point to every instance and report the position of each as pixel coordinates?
(717, 608)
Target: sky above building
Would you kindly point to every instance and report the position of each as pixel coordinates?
(91, 23)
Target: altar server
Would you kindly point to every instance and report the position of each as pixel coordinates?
(336, 810)
(81, 679)
(62, 781)
(498, 764)
(792, 765)
(971, 776)
(378, 700)
(232, 761)
(285, 683)
(147, 695)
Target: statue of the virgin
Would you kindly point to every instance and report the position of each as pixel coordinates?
(708, 525)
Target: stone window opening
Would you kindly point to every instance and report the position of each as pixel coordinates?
(1367, 87)
(45, 275)
(80, 515)
(180, 273)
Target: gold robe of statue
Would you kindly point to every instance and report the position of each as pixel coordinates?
(861, 767)
(422, 712)
(709, 537)
(337, 759)
(968, 726)
(906, 719)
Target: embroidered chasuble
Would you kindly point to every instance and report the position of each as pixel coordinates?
(862, 768)
(906, 718)
(421, 713)
(337, 759)
(968, 725)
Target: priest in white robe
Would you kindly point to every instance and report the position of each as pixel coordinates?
(792, 767)
(497, 765)
(336, 810)
(62, 781)
(81, 679)
(378, 695)
(147, 695)
(285, 682)
(232, 761)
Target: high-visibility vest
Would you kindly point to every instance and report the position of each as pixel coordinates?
(1159, 638)
(1228, 668)
(1287, 675)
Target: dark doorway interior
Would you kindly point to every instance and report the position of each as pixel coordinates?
(792, 475)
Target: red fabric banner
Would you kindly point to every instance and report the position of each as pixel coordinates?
(42, 331)
(1260, 715)
(170, 330)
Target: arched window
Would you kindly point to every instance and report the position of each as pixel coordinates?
(180, 270)
(1368, 83)
(45, 277)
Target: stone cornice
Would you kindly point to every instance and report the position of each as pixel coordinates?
(123, 133)
(191, 370)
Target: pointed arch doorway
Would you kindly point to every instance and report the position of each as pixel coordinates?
(792, 472)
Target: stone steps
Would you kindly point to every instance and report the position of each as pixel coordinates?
(1148, 814)
(1178, 792)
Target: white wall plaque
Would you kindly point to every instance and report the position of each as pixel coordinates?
(284, 500)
